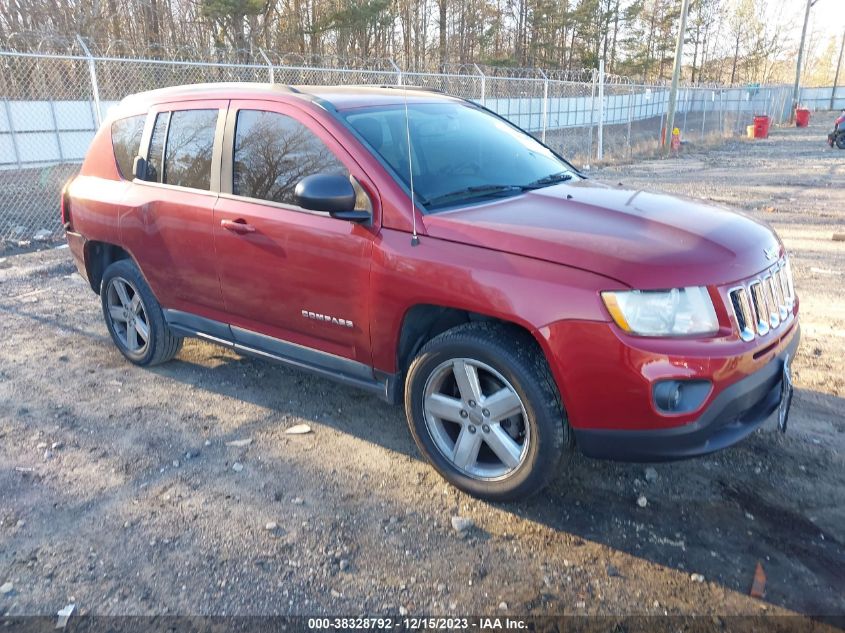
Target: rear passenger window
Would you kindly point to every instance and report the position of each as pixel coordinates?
(126, 142)
(273, 152)
(190, 140)
(156, 152)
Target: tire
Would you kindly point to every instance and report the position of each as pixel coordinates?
(127, 299)
(526, 409)
(840, 141)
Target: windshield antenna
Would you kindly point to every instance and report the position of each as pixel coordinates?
(415, 240)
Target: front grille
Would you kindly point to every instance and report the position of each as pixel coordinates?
(777, 293)
(763, 303)
(761, 309)
(774, 309)
(742, 311)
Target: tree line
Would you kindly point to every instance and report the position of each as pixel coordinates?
(727, 41)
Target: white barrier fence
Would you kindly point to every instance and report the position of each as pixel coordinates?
(38, 133)
(819, 98)
(51, 105)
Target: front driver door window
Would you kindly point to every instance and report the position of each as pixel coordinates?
(273, 152)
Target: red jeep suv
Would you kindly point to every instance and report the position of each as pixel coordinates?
(421, 247)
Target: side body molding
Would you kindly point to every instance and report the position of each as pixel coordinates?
(343, 370)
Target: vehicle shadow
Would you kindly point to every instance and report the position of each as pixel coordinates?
(717, 516)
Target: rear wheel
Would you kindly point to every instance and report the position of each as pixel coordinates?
(134, 317)
(840, 141)
(485, 412)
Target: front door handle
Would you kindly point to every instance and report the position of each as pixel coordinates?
(237, 226)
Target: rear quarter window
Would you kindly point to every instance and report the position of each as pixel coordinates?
(126, 142)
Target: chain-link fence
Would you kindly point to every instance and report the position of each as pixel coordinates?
(53, 103)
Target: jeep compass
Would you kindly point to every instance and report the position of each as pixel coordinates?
(418, 246)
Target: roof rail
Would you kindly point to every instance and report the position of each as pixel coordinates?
(417, 88)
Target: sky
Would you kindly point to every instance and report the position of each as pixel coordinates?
(827, 18)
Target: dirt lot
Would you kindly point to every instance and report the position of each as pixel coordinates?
(118, 492)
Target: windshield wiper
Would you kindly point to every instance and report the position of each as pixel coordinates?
(551, 179)
(482, 191)
(477, 191)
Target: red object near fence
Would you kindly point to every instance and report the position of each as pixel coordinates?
(802, 117)
(761, 126)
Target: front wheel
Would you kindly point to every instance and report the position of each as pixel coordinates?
(840, 141)
(134, 317)
(485, 412)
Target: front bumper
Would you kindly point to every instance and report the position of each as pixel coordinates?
(734, 414)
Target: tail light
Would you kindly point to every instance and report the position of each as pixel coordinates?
(65, 207)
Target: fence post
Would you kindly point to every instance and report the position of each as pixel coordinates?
(55, 122)
(784, 100)
(721, 116)
(545, 107)
(397, 70)
(770, 105)
(95, 89)
(483, 85)
(12, 131)
(600, 131)
(703, 111)
(592, 113)
(630, 118)
(270, 70)
(661, 133)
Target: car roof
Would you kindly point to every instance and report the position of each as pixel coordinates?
(345, 97)
(338, 97)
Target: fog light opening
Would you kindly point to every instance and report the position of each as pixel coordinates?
(667, 395)
(680, 396)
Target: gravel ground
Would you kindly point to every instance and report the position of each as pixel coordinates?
(120, 493)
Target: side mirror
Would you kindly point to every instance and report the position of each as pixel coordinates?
(139, 168)
(331, 193)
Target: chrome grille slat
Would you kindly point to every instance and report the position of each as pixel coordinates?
(784, 286)
(760, 305)
(791, 287)
(742, 312)
(774, 311)
(761, 310)
(777, 292)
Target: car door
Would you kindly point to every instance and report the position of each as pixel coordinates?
(286, 273)
(169, 219)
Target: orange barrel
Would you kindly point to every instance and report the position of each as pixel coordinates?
(802, 117)
(761, 126)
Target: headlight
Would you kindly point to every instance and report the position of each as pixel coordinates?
(676, 312)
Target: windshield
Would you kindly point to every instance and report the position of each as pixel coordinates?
(460, 154)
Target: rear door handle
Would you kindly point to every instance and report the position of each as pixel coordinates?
(237, 226)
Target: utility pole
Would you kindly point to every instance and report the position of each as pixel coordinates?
(676, 77)
(836, 75)
(796, 87)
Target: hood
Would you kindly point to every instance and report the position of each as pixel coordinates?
(644, 240)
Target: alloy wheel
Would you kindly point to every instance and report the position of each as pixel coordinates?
(476, 419)
(128, 315)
